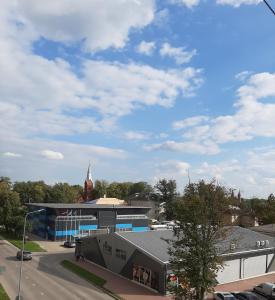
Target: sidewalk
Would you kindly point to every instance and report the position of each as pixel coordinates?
(124, 288)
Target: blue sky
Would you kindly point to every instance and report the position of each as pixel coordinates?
(141, 89)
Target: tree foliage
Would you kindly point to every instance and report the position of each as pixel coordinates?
(11, 211)
(194, 256)
(166, 191)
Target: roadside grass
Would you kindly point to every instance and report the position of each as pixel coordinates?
(3, 294)
(83, 273)
(90, 277)
(29, 245)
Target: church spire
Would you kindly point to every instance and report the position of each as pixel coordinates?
(89, 174)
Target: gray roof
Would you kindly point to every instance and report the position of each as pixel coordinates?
(153, 242)
(268, 229)
(83, 205)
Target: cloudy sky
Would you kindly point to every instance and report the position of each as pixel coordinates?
(142, 89)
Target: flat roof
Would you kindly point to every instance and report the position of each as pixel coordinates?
(154, 242)
(83, 205)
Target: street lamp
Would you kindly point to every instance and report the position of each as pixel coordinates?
(22, 250)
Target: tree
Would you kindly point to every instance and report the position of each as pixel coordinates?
(63, 193)
(100, 188)
(11, 211)
(194, 256)
(140, 187)
(166, 191)
(35, 192)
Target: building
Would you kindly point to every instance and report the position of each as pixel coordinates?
(63, 221)
(88, 186)
(143, 256)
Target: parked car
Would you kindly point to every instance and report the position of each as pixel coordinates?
(224, 296)
(266, 289)
(69, 244)
(27, 255)
(245, 296)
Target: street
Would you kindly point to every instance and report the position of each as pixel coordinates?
(43, 277)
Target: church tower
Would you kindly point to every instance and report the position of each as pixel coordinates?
(88, 186)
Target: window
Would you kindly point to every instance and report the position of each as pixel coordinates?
(107, 249)
(121, 254)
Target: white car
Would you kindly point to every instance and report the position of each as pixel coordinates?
(223, 296)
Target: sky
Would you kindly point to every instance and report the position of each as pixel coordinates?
(141, 89)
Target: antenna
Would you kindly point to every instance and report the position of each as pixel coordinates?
(188, 174)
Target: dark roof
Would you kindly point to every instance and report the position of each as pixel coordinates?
(268, 229)
(153, 242)
(83, 205)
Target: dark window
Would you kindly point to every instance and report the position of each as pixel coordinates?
(107, 249)
(121, 254)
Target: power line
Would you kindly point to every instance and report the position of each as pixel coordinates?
(271, 9)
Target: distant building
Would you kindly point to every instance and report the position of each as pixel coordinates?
(88, 186)
(237, 216)
(143, 256)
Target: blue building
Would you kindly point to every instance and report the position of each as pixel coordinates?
(61, 221)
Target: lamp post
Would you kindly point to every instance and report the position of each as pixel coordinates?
(22, 251)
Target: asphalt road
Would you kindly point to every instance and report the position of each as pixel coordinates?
(43, 277)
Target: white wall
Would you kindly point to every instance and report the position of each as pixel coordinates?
(231, 271)
(253, 266)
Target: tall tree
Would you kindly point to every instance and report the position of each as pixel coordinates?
(11, 211)
(32, 191)
(194, 256)
(166, 191)
(63, 193)
(100, 188)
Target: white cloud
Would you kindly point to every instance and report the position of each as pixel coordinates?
(146, 48)
(187, 3)
(123, 88)
(136, 136)
(30, 96)
(100, 24)
(52, 154)
(207, 147)
(189, 122)
(254, 116)
(180, 55)
(237, 3)
(11, 154)
(243, 75)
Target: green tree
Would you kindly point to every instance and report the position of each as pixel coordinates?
(194, 256)
(63, 193)
(34, 192)
(11, 211)
(166, 191)
(100, 188)
(114, 190)
(140, 187)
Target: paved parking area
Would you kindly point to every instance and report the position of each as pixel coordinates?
(245, 284)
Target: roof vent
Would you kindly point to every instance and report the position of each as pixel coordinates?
(262, 243)
(232, 246)
(258, 244)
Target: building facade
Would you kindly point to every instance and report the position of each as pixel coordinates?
(143, 257)
(65, 221)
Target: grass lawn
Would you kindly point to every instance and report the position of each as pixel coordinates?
(3, 295)
(83, 273)
(29, 245)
